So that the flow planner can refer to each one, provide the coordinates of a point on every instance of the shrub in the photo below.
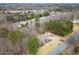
(38, 15)
(58, 9)
(10, 18)
(60, 27)
(37, 22)
(46, 13)
(3, 32)
(33, 45)
(14, 36)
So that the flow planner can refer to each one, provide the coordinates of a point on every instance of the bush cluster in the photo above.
(60, 27)
(33, 45)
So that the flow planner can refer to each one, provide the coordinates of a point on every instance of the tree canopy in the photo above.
(60, 27)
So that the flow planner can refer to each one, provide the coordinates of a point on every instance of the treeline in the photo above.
(26, 16)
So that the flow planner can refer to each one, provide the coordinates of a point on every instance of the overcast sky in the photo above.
(39, 1)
